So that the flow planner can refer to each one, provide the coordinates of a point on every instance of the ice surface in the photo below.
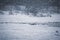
(26, 31)
(29, 19)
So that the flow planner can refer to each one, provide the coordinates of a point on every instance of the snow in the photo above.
(28, 32)
(29, 19)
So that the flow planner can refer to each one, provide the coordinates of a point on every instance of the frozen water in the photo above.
(29, 19)
(28, 32)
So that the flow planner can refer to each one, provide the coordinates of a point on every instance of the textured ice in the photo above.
(28, 32)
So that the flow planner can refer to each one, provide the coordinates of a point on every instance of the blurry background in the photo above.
(30, 7)
(29, 20)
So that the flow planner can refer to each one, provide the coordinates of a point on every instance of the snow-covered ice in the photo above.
(26, 31)
(26, 18)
